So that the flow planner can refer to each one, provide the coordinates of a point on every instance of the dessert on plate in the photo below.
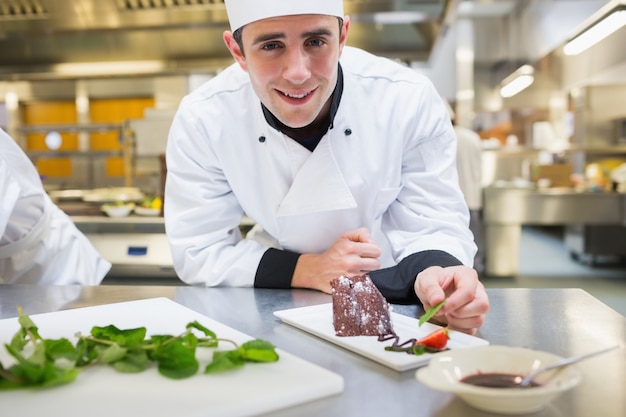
(359, 309)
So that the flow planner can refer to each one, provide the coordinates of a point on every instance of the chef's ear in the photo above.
(343, 36)
(235, 49)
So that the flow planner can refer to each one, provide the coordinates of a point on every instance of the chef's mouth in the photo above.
(296, 96)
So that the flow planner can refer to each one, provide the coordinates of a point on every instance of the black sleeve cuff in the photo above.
(396, 283)
(276, 269)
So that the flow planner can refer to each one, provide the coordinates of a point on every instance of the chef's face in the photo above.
(292, 63)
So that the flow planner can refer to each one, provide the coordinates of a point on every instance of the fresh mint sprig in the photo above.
(431, 312)
(49, 362)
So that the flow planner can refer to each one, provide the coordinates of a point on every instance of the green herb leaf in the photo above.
(431, 312)
(224, 361)
(19, 340)
(176, 360)
(112, 353)
(258, 351)
(195, 325)
(60, 349)
(128, 337)
(50, 362)
(27, 324)
(38, 357)
(85, 351)
(414, 349)
(8, 380)
(56, 375)
(133, 362)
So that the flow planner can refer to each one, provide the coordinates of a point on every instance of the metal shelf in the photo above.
(72, 128)
(127, 152)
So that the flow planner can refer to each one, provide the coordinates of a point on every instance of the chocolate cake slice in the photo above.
(359, 309)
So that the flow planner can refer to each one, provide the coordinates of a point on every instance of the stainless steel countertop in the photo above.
(562, 321)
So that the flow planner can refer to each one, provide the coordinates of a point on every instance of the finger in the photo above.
(369, 265)
(357, 265)
(466, 324)
(359, 235)
(368, 250)
(473, 314)
(472, 309)
(428, 287)
(461, 289)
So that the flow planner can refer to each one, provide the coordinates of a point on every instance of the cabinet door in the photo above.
(115, 111)
(51, 112)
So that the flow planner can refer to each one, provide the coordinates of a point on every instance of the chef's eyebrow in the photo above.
(280, 35)
(268, 37)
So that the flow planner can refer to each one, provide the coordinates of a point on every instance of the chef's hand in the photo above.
(466, 300)
(353, 253)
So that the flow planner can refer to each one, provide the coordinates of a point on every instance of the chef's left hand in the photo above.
(466, 304)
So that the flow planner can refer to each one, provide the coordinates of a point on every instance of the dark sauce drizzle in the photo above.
(411, 349)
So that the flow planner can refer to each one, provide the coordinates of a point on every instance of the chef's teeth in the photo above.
(297, 95)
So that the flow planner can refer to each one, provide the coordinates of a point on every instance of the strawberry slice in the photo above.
(435, 340)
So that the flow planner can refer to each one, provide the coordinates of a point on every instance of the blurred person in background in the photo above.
(39, 243)
(469, 167)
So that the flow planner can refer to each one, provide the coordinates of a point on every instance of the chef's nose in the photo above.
(297, 67)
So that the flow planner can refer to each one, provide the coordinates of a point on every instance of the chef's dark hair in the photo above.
(237, 34)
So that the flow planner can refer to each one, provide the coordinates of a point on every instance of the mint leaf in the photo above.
(112, 353)
(133, 362)
(57, 361)
(86, 352)
(20, 339)
(258, 351)
(28, 325)
(431, 312)
(195, 325)
(56, 375)
(60, 349)
(128, 337)
(224, 361)
(176, 360)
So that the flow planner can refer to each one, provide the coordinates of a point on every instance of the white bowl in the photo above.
(446, 369)
(147, 211)
(113, 194)
(114, 210)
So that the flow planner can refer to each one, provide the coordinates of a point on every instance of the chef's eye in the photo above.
(270, 46)
(316, 42)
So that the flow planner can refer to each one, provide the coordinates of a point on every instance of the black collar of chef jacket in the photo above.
(311, 143)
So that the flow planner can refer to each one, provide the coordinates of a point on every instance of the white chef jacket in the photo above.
(39, 244)
(388, 163)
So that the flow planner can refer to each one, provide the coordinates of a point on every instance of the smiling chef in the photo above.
(344, 160)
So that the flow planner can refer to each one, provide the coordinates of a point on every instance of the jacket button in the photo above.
(347, 132)
(261, 139)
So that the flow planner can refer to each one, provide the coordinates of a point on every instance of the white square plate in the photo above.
(100, 391)
(318, 320)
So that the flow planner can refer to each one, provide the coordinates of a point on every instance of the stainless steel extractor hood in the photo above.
(38, 38)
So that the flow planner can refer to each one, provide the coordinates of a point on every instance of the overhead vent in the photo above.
(134, 5)
(17, 10)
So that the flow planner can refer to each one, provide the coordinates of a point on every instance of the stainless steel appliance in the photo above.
(136, 246)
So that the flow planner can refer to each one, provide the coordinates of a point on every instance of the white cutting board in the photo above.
(101, 391)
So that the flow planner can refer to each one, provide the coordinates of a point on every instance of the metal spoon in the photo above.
(525, 382)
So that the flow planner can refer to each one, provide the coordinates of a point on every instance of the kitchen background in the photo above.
(105, 77)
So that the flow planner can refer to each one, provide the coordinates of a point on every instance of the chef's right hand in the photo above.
(353, 253)
(466, 304)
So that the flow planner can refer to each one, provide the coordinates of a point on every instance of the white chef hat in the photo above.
(242, 12)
